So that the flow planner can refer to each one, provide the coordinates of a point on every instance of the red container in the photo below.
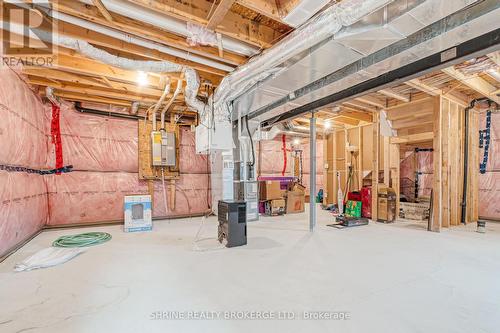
(366, 202)
(354, 196)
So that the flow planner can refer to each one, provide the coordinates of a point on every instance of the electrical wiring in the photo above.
(82, 240)
(197, 239)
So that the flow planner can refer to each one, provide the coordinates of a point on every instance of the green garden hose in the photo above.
(81, 240)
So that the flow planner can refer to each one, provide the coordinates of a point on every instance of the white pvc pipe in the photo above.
(168, 23)
(160, 101)
(167, 106)
(137, 41)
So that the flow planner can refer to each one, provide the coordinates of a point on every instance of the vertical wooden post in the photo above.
(375, 166)
(395, 172)
(387, 161)
(437, 143)
(473, 175)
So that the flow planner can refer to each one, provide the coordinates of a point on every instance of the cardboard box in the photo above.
(386, 205)
(270, 190)
(138, 213)
(275, 207)
(295, 198)
(414, 211)
(295, 202)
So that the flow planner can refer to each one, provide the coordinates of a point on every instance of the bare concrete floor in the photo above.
(389, 278)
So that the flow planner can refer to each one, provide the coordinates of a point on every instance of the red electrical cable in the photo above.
(283, 139)
(55, 132)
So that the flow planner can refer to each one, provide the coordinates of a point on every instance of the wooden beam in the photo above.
(360, 116)
(393, 94)
(219, 13)
(419, 85)
(101, 92)
(264, 7)
(476, 83)
(83, 81)
(437, 213)
(372, 101)
(434, 91)
(77, 97)
(104, 11)
(407, 123)
(360, 105)
(413, 138)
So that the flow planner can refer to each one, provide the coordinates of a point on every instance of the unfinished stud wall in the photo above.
(448, 143)
(104, 154)
(23, 196)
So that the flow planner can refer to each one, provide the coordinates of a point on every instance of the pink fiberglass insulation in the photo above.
(425, 162)
(192, 196)
(96, 143)
(23, 126)
(23, 210)
(85, 197)
(494, 151)
(489, 183)
(190, 162)
(421, 162)
(489, 195)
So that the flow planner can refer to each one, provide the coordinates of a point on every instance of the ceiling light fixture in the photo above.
(142, 78)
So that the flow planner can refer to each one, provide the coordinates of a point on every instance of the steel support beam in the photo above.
(485, 43)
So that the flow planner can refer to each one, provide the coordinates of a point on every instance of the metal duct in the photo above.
(393, 37)
(141, 14)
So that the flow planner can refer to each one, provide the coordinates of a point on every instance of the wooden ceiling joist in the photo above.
(476, 83)
(104, 11)
(234, 26)
(219, 13)
(367, 99)
(89, 90)
(419, 85)
(394, 94)
(145, 30)
(263, 7)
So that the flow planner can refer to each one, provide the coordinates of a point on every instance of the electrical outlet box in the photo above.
(163, 148)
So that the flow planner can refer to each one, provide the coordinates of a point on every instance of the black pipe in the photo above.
(79, 108)
(466, 156)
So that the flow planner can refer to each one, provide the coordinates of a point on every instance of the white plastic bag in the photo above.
(48, 257)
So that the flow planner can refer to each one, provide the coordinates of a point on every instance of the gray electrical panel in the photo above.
(163, 148)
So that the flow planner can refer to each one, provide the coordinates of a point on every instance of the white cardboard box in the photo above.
(138, 213)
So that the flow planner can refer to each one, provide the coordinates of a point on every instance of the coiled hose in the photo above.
(81, 240)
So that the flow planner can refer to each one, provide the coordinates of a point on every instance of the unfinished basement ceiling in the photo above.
(213, 37)
(392, 36)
